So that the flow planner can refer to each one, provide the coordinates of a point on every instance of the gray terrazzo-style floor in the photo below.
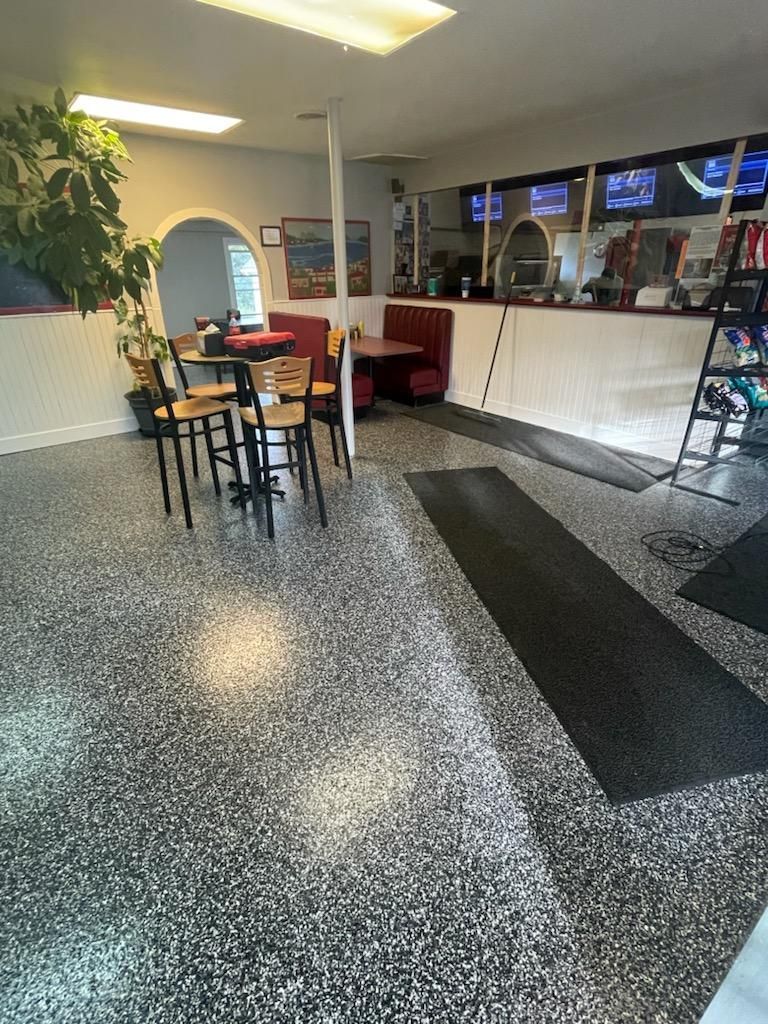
(309, 781)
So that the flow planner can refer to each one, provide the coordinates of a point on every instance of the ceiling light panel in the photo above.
(378, 26)
(127, 112)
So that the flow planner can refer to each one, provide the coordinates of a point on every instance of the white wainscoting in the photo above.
(60, 380)
(623, 379)
(368, 308)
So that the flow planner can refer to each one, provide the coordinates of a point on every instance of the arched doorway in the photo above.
(527, 252)
(210, 267)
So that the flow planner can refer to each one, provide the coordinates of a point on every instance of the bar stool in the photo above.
(168, 419)
(221, 391)
(329, 392)
(289, 378)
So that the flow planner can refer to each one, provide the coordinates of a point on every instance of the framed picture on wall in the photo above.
(309, 258)
(271, 237)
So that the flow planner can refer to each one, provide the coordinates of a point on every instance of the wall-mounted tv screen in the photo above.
(753, 175)
(478, 207)
(548, 200)
(631, 188)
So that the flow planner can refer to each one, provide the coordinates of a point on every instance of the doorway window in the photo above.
(243, 274)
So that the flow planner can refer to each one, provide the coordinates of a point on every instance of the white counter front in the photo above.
(626, 379)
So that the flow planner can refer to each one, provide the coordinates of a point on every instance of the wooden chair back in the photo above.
(285, 375)
(335, 342)
(184, 342)
(149, 377)
(145, 372)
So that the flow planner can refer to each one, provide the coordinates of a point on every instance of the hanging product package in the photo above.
(723, 397)
(744, 348)
(754, 389)
(760, 335)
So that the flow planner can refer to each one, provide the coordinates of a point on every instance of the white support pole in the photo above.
(340, 260)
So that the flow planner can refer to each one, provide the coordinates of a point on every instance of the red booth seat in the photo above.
(426, 373)
(310, 334)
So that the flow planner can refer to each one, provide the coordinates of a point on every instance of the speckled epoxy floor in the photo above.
(310, 782)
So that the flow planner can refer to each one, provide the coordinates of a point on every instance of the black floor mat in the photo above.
(736, 582)
(631, 470)
(648, 709)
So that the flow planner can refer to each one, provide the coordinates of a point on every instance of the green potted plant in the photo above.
(59, 216)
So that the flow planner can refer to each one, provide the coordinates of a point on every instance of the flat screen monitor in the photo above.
(548, 200)
(478, 207)
(630, 189)
(753, 175)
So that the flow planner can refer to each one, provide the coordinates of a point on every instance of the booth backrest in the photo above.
(426, 326)
(310, 332)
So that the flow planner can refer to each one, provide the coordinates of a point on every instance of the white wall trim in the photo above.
(63, 435)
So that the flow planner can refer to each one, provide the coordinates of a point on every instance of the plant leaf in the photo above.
(26, 221)
(81, 195)
(57, 181)
(60, 102)
(104, 192)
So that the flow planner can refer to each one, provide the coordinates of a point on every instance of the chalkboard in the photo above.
(22, 289)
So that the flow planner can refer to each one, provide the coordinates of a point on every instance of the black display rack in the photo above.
(722, 447)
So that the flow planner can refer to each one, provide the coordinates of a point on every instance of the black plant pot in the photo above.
(143, 411)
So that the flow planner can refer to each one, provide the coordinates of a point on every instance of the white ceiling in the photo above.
(498, 66)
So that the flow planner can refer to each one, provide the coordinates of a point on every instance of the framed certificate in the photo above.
(271, 236)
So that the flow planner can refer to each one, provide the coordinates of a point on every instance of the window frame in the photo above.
(228, 240)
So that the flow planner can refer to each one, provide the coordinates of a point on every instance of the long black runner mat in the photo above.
(648, 709)
(631, 470)
(736, 582)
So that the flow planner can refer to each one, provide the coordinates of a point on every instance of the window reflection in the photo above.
(656, 235)
(534, 247)
(456, 219)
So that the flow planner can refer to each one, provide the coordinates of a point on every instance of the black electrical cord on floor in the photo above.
(684, 550)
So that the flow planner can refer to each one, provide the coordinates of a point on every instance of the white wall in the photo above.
(685, 118)
(254, 187)
(194, 278)
(61, 379)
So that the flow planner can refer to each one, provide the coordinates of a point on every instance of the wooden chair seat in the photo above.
(276, 417)
(192, 409)
(321, 388)
(218, 391)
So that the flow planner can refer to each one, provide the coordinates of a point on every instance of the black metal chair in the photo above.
(289, 378)
(221, 391)
(168, 420)
(329, 392)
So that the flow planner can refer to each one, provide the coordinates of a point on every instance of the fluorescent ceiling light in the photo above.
(148, 113)
(378, 26)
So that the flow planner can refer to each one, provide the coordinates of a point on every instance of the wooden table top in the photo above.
(193, 356)
(376, 348)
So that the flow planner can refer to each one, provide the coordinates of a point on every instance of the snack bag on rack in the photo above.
(744, 348)
(754, 389)
(722, 396)
(760, 334)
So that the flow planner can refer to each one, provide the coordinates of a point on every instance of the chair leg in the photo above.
(301, 450)
(230, 432)
(211, 453)
(344, 445)
(182, 479)
(253, 467)
(193, 446)
(315, 472)
(330, 412)
(163, 473)
(289, 452)
(267, 487)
